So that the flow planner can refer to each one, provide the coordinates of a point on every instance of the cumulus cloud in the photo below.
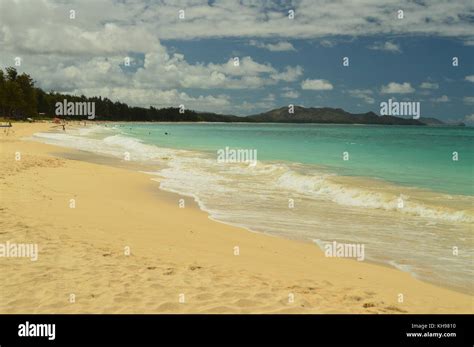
(468, 100)
(429, 85)
(290, 74)
(442, 98)
(313, 19)
(263, 19)
(364, 94)
(397, 88)
(327, 43)
(84, 54)
(291, 94)
(469, 118)
(386, 46)
(256, 19)
(274, 47)
(161, 98)
(309, 84)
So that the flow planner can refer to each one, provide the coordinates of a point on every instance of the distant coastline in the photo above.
(21, 100)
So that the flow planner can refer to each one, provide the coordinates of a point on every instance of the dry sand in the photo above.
(176, 253)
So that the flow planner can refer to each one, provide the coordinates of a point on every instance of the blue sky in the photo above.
(419, 60)
(190, 60)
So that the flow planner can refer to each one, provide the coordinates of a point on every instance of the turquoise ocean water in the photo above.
(418, 156)
(400, 193)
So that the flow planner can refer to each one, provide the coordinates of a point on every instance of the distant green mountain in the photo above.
(328, 115)
(435, 122)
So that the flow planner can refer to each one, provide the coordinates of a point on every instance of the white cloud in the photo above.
(160, 98)
(270, 97)
(155, 83)
(85, 54)
(469, 100)
(327, 43)
(386, 46)
(364, 94)
(397, 88)
(470, 78)
(274, 47)
(469, 118)
(291, 94)
(313, 19)
(290, 74)
(309, 84)
(429, 85)
(252, 19)
(442, 98)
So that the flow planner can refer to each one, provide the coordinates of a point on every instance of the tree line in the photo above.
(20, 99)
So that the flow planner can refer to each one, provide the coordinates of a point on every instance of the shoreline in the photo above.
(319, 284)
(138, 166)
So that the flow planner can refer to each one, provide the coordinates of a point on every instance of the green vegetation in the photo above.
(20, 99)
(18, 95)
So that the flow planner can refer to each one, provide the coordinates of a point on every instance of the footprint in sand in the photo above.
(368, 305)
(194, 267)
(169, 271)
(395, 309)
